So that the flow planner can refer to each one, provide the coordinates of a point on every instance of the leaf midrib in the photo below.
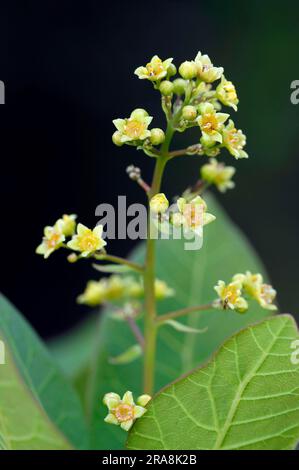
(241, 389)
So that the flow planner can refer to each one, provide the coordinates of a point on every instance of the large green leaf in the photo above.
(192, 274)
(245, 398)
(38, 408)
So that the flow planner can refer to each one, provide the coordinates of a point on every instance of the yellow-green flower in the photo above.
(218, 174)
(230, 296)
(234, 140)
(94, 294)
(254, 285)
(133, 128)
(162, 290)
(68, 224)
(206, 70)
(159, 203)
(123, 411)
(52, 240)
(211, 122)
(87, 241)
(155, 70)
(226, 93)
(192, 214)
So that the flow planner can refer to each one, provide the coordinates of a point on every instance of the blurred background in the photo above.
(68, 71)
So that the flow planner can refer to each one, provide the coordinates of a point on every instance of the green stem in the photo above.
(150, 327)
(119, 260)
(182, 312)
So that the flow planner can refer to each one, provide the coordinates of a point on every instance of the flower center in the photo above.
(267, 293)
(88, 242)
(193, 214)
(154, 69)
(53, 240)
(134, 129)
(230, 294)
(124, 412)
(209, 123)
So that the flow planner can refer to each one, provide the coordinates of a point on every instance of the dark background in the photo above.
(68, 70)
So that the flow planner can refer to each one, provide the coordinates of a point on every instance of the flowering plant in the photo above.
(224, 403)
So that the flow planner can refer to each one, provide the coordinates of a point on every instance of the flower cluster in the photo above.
(188, 101)
(123, 411)
(118, 289)
(85, 240)
(231, 294)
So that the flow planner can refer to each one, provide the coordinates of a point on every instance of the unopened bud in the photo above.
(157, 136)
(188, 70)
(166, 88)
(189, 113)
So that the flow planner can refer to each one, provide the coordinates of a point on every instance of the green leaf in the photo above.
(245, 398)
(38, 407)
(192, 274)
(184, 328)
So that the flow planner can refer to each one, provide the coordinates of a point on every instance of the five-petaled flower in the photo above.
(234, 140)
(123, 412)
(206, 70)
(155, 70)
(211, 123)
(226, 93)
(218, 174)
(68, 224)
(87, 241)
(230, 296)
(192, 214)
(52, 240)
(133, 128)
(254, 286)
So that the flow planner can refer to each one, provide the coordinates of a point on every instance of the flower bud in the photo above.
(72, 258)
(171, 71)
(157, 136)
(116, 138)
(159, 203)
(166, 88)
(188, 70)
(179, 86)
(189, 113)
(139, 113)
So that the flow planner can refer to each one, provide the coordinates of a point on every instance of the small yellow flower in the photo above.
(52, 240)
(155, 70)
(226, 93)
(234, 140)
(211, 122)
(133, 128)
(255, 287)
(159, 203)
(192, 214)
(68, 224)
(218, 174)
(162, 290)
(230, 296)
(87, 241)
(206, 70)
(94, 294)
(123, 412)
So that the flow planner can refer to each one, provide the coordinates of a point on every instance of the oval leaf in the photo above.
(246, 398)
(38, 408)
